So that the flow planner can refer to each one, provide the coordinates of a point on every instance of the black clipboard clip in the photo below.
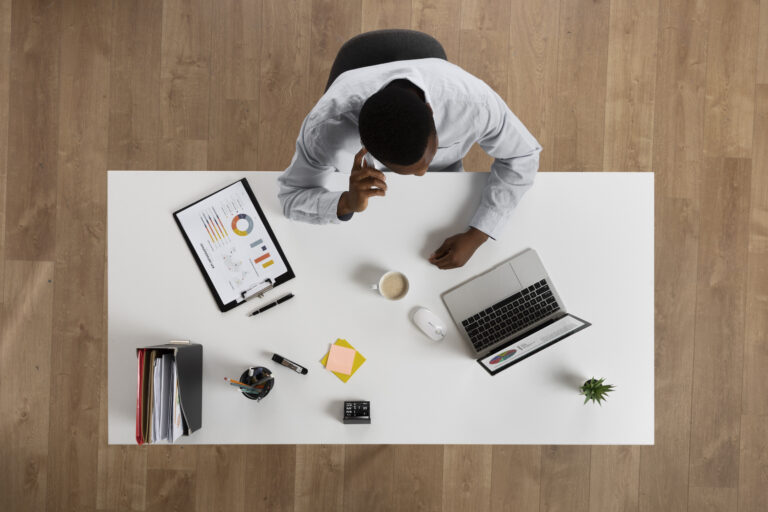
(257, 290)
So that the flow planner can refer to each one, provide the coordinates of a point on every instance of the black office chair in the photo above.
(380, 46)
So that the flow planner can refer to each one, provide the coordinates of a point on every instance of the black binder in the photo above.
(188, 358)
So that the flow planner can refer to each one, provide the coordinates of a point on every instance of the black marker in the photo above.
(290, 364)
(272, 304)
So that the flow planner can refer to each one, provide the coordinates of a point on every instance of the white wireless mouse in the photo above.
(429, 323)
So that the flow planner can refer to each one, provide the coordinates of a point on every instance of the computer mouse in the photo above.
(429, 323)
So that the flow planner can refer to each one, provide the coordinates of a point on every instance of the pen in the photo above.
(247, 389)
(290, 364)
(250, 387)
(271, 304)
(234, 382)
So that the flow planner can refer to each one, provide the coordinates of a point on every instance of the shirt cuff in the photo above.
(329, 204)
(489, 220)
(343, 218)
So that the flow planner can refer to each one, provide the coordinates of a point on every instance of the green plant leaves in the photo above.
(594, 389)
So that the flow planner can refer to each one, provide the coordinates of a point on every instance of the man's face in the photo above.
(418, 168)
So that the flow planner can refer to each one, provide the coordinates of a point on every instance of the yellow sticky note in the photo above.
(359, 360)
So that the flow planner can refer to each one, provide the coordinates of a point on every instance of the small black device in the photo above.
(357, 412)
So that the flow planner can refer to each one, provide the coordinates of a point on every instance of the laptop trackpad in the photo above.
(482, 292)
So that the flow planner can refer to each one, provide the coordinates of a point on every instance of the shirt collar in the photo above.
(412, 77)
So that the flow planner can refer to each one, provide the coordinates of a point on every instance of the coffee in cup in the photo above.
(392, 285)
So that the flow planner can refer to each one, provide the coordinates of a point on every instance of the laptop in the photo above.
(514, 303)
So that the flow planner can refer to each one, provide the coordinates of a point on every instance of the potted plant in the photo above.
(594, 389)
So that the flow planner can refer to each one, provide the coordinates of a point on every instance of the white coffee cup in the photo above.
(392, 285)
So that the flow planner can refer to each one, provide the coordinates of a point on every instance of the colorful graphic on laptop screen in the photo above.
(503, 356)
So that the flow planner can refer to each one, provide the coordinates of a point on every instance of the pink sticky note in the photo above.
(340, 359)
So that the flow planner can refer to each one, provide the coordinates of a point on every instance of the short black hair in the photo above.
(395, 125)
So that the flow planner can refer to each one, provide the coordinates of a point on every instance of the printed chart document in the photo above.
(531, 343)
(233, 244)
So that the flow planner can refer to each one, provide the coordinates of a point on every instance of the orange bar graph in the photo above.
(261, 258)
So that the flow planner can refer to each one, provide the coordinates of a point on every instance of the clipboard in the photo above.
(233, 245)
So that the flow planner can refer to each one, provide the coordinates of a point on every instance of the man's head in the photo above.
(397, 128)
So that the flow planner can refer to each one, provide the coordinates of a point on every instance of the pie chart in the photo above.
(503, 356)
(245, 217)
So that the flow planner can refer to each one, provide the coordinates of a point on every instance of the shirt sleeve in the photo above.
(516, 161)
(302, 193)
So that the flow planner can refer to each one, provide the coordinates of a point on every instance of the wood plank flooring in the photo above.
(678, 87)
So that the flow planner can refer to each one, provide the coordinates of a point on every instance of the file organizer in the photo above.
(188, 360)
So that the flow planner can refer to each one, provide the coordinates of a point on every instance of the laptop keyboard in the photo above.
(512, 314)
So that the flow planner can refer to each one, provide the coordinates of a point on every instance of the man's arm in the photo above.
(516, 154)
(513, 171)
(302, 193)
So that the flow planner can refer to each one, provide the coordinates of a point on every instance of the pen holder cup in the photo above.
(253, 375)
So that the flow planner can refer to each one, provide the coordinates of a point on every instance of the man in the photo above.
(411, 117)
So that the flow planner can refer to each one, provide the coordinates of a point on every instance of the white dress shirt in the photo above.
(465, 109)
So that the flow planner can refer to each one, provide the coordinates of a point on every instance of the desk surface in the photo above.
(593, 231)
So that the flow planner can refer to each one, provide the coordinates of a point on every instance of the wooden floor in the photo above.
(677, 87)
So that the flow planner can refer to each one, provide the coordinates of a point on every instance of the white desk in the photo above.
(594, 232)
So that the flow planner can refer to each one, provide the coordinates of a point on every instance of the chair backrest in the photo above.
(381, 46)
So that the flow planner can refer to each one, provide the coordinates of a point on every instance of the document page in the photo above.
(231, 242)
(157, 387)
(177, 428)
(166, 397)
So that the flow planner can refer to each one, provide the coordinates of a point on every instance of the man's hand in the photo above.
(364, 182)
(457, 250)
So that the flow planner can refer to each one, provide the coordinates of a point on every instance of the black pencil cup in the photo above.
(253, 375)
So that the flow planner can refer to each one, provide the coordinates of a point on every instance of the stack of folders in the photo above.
(169, 392)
